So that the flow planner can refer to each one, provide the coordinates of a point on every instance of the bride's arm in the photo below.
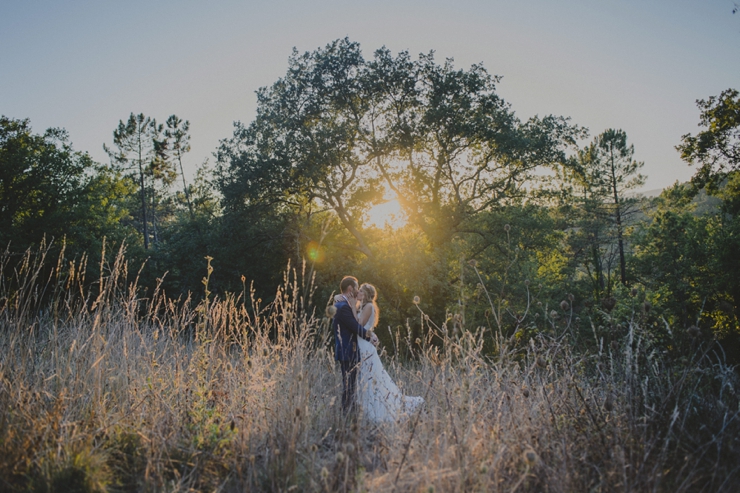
(365, 314)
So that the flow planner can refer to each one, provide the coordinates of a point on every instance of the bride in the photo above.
(380, 398)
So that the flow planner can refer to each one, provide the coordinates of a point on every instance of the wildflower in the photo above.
(564, 305)
(571, 297)
(553, 314)
(694, 331)
(473, 263)
(243, 278)
(417, 300)
(539, 303)
(418, 341)
(314, 448)
(324, 473)
(526, 282)
(340, 457)
(507, 228)
(331, 310)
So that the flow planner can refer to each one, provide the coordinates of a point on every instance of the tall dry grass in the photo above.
(104, 390)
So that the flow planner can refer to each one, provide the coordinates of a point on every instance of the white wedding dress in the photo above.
(380, 398)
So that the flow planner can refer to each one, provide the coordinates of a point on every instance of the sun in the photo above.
(387, 214)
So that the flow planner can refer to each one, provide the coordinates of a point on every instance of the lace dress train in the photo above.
(380, 398)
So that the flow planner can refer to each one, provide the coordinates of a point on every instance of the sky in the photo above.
(637, 65)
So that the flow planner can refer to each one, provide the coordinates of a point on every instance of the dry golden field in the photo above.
(103, 390)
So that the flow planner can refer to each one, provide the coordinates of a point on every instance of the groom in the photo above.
(346, 331)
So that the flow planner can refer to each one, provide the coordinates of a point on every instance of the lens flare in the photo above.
(315, 252)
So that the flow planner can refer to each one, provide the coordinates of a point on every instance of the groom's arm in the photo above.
(346, 320)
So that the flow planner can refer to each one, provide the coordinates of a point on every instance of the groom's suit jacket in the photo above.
(346, 331)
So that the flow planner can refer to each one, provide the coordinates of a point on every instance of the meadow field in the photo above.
(103, 389)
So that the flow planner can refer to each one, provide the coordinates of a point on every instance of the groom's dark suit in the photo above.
(346, 331)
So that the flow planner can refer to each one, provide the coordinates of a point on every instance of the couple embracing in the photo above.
(364, 380)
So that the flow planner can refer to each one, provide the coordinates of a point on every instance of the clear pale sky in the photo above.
(638, 65)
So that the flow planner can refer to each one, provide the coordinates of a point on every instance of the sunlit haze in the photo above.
(634, 65)
(388, 213)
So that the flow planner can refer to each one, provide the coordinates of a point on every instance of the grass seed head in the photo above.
(530, 456)
(609, 303)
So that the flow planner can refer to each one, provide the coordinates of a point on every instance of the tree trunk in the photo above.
(618, 220)
(185, 187)
(143, 202)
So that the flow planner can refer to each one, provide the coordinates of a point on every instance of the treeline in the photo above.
(521, 227)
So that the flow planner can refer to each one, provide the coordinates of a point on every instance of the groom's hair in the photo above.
(347, 281)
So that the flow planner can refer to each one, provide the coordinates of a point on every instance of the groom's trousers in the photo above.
(350, 369)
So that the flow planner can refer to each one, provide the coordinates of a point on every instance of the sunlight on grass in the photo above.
(104, 390)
